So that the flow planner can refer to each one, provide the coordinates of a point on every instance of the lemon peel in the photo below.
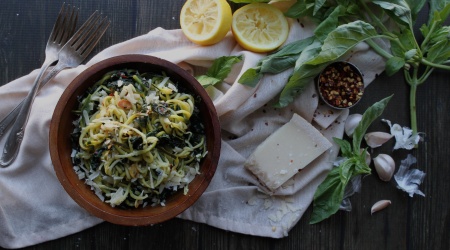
(259, 27)
(205, 22)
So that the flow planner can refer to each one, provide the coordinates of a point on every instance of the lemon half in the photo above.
(259, 27)
(205, 22)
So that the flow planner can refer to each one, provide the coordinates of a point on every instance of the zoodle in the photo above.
(138, 138)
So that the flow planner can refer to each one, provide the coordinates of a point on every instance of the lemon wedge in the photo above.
(205, 22)
(259, 27)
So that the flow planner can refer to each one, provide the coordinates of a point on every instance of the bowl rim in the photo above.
(103, 210)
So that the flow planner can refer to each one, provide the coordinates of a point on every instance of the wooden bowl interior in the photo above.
(61, 147)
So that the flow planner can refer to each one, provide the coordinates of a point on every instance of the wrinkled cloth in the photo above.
(34, 207)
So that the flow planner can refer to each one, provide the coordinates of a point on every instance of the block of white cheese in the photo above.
(289, 149)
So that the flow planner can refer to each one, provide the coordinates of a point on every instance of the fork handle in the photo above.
(15, 137)
(8, 120)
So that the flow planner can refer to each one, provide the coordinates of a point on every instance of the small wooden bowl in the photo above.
(61, 147)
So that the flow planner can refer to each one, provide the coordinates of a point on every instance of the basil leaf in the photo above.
(398, 10)
(303, 74)
(219, 70)
(441, 7)
(328, 197)
(330, 23)
(318, 4)
(222, 66)
(250, 77)
(279, 61)
(346, 169)
(440, 52)
(342, 39)
(346, 148)
(361, 166)
(285, 57)
(207, 81)
(407, 42)
(368, 117)
(300, 9)
(393, 65)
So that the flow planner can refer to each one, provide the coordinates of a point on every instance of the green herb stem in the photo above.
(378, 49)
(412, 107)
(435, 65)
(428, 37)
(425, 75)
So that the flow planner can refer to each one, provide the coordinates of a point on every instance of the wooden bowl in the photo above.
(61, 147)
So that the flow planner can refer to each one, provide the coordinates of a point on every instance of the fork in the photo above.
(63, 29)
(71, 55)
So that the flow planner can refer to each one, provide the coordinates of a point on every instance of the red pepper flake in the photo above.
(341, 85)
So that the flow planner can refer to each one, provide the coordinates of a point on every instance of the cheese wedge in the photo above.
(291, 148)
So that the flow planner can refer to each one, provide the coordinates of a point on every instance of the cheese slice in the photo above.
(291, 148)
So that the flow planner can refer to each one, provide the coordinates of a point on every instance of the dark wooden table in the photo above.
(409, 223)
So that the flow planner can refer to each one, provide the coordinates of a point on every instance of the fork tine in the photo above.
(65, 24)
(87, 32)
(94, 38)
(69, 25)
(57, 26)
(81, 32)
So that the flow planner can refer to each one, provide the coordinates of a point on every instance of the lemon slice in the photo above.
(205, 22)
(259, 27)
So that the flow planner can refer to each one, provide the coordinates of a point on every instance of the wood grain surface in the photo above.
(409, 223)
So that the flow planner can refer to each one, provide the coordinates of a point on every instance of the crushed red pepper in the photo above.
(341, 85)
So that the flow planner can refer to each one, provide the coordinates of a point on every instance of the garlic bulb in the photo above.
(351, 123)
(376, 139)
(385, 166)
(379, 205)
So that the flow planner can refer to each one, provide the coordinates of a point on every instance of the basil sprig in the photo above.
(218, 71)
(342, 24)
(330, 193)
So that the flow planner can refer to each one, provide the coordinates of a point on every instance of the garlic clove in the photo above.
(376, 139)
(385, 166)
(351, 123)
(379, 205)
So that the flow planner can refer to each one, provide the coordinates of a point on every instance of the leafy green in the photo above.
(342, 39)
(218, 71)
(330, 193)
(299, 9)
(342, 24)
(303, 74)
(275, 63)
(394, 64)
(398, 10)
(442, 7)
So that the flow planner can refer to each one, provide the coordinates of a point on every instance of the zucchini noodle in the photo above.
(137, 139)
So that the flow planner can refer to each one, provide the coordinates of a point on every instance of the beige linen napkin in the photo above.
(35, 208)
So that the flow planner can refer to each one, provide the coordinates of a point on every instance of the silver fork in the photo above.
(63, 29)
(71, 55)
